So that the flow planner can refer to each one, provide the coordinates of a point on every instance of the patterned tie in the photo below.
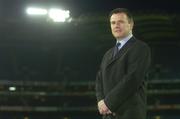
(116, 49)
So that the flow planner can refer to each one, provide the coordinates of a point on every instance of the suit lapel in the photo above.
(121, 52)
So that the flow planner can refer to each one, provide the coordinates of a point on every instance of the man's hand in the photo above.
(103, 109)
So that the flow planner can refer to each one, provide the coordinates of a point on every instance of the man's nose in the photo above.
(117, 24)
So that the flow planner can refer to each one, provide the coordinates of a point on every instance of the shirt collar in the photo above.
(124, 40)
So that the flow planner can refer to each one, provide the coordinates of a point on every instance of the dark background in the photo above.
(54, 65)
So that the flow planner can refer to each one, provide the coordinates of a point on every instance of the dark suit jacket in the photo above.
(121, 81)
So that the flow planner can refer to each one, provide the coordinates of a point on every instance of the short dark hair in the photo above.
(122, 10)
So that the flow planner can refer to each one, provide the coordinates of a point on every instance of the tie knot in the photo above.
(116, 49)
(118, 44)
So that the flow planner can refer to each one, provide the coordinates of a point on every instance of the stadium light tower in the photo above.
(36, 11)
(58, 15)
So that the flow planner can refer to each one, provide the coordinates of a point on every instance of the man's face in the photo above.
(120, 26)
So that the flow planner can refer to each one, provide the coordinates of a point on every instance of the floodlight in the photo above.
(12, 88)
(58, 15)
(36, 11)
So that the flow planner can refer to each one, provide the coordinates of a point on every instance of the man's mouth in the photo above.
(117, 30)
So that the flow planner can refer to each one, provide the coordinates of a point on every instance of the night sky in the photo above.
(15, 8)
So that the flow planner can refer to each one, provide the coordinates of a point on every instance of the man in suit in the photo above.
(121, 79)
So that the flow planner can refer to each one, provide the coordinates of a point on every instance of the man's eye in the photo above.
(112, 22)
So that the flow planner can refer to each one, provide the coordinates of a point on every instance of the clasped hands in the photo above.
(103, 109)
